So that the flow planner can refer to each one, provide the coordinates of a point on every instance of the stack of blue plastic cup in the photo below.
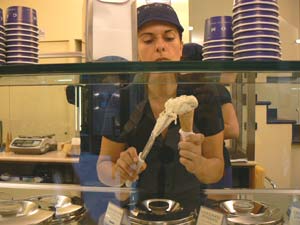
(2, 39)
(218, 42)
(256, 30)
(22, 36)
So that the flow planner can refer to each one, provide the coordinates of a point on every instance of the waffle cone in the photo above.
(187, 121)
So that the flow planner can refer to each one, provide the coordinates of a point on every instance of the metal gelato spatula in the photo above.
(161, 123)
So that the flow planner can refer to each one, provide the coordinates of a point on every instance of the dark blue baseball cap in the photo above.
(158, 12)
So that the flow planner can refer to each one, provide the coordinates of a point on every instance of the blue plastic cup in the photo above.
(21, 14)
(21, 48)
(252, 1)
(247, 40)
(218, 48)
(255, 32)
(22, 60)
(1, 17)
(257, 58)
(218, 54)
(22, 37)
(21, 54)
(2, 35)
(245, 13)
(218, 42)
(21, 32)
(218, 27)
(254, 19)
(257, 52)
(22, 26)
(22, 43)
(257, 25)
(220, 58)
(249, 6)
(256, 45)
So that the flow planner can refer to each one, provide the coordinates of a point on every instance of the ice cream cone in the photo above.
(187, 121)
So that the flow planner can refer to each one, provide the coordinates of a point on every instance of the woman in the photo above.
(174, 168)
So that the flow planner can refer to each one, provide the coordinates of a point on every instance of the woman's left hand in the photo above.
(190, 152)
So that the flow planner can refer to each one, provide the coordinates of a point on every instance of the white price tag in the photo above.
(113, 215)
(210, 217)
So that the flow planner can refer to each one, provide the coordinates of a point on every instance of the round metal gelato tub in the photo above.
(23, 213)
(161, 212)
(248, 212)
(65, 211)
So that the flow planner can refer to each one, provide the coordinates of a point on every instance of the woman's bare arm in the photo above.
(109, 154)
(231, 124)
(116, 164)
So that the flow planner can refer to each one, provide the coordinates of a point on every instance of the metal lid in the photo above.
(10, 208)
(161, 212)
(62, 206)
(248, 212)
(190, 220)
(23, 213)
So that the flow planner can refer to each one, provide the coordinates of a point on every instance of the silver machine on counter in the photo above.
(33, 144)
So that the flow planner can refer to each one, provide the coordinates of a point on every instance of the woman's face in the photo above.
(159, 42)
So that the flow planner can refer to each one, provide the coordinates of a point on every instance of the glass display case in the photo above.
(53, 117)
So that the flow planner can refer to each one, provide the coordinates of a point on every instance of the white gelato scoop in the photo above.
(173, 108)
(181, 105)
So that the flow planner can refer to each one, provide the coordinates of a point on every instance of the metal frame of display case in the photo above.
(144, 67)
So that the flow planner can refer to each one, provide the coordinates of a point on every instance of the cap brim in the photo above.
(160, 19)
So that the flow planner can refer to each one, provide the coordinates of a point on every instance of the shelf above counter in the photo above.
(49, 157)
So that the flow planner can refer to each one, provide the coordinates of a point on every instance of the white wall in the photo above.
(273, 148)
(289, 28)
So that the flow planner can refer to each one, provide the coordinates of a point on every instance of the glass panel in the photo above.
(82, 100)
(90, 104)
(28, 111)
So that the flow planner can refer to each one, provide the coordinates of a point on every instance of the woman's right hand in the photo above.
(126, 166)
